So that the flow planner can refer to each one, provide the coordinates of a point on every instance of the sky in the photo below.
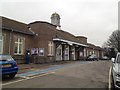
(94, 19)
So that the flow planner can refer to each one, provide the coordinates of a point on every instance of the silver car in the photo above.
(116, 71)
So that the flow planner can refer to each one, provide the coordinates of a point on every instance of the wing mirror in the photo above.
(113, 60)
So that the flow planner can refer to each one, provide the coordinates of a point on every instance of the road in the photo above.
(88, 74)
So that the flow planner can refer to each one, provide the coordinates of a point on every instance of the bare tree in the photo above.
(114, 40)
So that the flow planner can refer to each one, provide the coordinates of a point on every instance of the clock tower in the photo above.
(55, 20)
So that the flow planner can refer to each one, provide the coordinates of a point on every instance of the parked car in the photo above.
(92, 57)
(8, 66)
(105, 58)
(116, 71)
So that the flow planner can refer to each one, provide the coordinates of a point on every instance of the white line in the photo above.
(109, 81)
(12, 82)
(42, 75)
(27, 78)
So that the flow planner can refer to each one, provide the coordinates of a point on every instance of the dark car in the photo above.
(92, 57)
(8, 66)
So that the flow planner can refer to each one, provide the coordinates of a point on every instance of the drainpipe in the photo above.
(10, 40)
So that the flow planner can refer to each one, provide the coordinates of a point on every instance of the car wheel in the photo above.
(12, 75)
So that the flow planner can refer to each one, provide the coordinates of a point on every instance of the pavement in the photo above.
(31, 66)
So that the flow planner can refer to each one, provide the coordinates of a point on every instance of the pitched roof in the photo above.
(15, 26)
(42, 22)
(94, 46)
(68, 36)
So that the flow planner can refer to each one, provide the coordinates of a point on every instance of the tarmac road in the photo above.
(89, 74)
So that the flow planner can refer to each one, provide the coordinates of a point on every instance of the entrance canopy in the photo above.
(69, 42)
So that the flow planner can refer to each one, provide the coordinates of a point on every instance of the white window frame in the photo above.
(85, 52)
(50, 48)
(1, 41)
(73, 49)
(22, 43)
(90, 53)
(66, 52)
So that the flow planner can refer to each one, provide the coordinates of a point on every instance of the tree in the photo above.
(114, 40)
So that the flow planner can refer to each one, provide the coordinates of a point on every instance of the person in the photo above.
(27, 58)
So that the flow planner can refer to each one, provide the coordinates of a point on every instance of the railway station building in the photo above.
(44, 41)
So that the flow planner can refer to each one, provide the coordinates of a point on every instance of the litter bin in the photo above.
(27, 57)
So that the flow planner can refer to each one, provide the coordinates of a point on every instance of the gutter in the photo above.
(69, 42)
(15, 30)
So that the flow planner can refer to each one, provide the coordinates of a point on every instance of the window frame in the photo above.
(1, 40)
(50, 48)
(20, 41)
(118, 58)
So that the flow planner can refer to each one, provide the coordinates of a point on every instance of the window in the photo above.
(50, 48)
(118, 59)
(90, 53)
(1, 44)
(19, 45)
(84, 52)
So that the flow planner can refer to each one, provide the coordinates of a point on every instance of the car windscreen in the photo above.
(92, 56)
(118, 59)
(6, 57)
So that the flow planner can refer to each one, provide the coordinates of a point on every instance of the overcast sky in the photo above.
(95, 19)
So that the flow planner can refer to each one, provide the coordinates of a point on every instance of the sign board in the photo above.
(41, 51)
(34, 51)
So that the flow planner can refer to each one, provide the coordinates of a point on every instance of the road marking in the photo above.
(27, 78)
(42, 75)
(44, 72)
(109, 81)
(31, 73)
(12, 82)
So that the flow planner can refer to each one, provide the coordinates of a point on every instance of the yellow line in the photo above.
(27, 78)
